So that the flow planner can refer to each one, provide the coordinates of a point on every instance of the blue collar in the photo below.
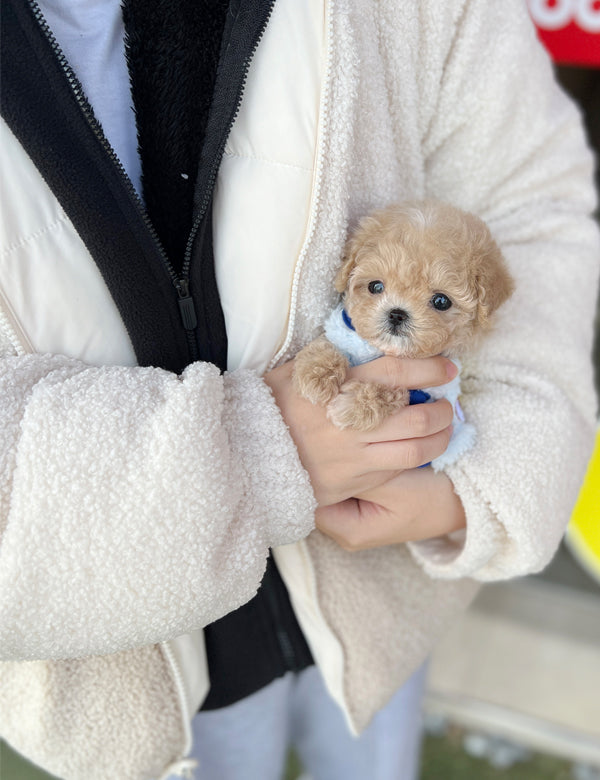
(347, 320)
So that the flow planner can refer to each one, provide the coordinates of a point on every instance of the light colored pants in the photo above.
(250, 739)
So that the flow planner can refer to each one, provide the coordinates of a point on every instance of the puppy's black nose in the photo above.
(397, 316)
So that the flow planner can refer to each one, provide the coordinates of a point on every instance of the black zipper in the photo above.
(88, 112)
(216, 160)
(268, 588)
(181, 281)
(284, 642)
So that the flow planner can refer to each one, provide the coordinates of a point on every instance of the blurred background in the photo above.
(514, 688)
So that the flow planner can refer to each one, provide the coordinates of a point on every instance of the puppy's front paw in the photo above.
(319, 371)
(365, 405)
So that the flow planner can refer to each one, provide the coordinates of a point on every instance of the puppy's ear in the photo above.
(363, 239)
(349, 259)
(494, 283)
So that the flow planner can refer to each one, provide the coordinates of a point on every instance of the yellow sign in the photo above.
(583, 533)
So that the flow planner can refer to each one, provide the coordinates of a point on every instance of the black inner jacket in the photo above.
(168, 298)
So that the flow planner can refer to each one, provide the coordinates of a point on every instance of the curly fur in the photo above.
(416, 250)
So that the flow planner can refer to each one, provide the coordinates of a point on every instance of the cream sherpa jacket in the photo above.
(137, 506)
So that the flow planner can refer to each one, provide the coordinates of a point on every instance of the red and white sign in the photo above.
(570, 29)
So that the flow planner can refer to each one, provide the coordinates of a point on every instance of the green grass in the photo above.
(293, 768)
(13, 767)
(443, 759)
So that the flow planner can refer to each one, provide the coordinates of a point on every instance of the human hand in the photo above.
(417, 504)
(346, 463)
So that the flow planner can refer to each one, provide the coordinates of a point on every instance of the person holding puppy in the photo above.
(154, 448)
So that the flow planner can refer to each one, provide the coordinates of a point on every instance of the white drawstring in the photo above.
(183, 768)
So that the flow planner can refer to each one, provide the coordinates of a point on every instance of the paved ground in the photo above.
(524, 663)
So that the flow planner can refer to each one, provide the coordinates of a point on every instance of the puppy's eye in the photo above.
(441, 302)
(376, 287)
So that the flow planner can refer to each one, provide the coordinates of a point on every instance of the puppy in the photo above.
(418, 279)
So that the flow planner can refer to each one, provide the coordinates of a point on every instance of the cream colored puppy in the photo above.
(418, 279)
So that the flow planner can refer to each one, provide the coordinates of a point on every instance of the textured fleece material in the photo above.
(183, 453)
(447, 114)
(85, 738)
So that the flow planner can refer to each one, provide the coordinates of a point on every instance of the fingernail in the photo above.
(451, 369)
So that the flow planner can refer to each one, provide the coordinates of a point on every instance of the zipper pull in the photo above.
(186, 304)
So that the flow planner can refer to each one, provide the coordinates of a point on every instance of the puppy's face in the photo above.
(422, 279)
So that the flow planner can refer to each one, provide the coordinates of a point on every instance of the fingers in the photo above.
(413, 422)
(361, 525)
(407, 453)
(406, 372)
(343, 523)
(341, 463)
(411, 506)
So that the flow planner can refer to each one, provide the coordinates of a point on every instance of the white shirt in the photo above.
(91, 36)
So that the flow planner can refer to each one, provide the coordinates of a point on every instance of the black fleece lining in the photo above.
(39, 106)
(262, 639)
(172, 49)
(252, 646)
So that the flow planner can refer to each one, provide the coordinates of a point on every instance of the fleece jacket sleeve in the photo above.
(135, 504)
(505, 142)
